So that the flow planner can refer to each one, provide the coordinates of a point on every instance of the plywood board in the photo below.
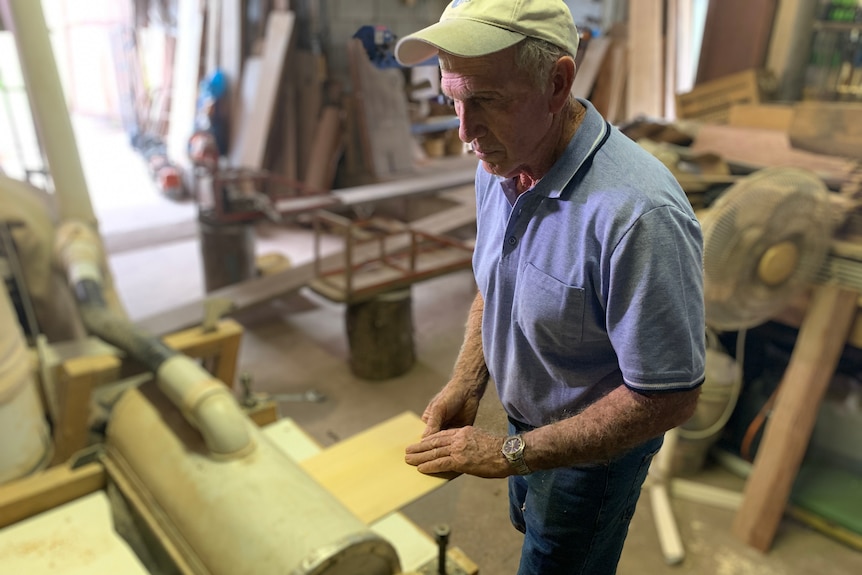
(732, 43)
(250, 149)
(367, 472)
(77, 538)
(381, 115)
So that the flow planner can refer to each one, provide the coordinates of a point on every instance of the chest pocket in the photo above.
(549, 312)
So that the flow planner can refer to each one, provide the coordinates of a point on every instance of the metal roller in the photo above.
(259, 514)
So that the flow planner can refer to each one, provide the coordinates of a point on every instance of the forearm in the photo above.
(470, 369)
(619, 421)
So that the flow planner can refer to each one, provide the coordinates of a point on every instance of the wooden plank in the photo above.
(309, 101)
(320, 171)
(213, 27)
(617, 102)
(815, 356)
(34, 494)
(367, 472)
(230, 57)
(594, 57)
(415, 548)
(766, 116)
(286, 162)
(645, 85)
(246, 102)
(732, 44)
(787, 55)
(254, 134)
(833, 128)
(684, 60)
(186, 76)
(78, 377)
(711, 101)
(672, 24)
(760, 148)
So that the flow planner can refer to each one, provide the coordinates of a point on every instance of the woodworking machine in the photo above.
(228, 500)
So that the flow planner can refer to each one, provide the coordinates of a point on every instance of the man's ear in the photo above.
(562, 78)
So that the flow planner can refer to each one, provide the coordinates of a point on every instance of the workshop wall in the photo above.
(402, 17)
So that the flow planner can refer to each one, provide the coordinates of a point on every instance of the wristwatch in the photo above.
(513, 451)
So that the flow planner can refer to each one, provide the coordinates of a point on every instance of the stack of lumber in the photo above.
(284, 115)
(633, 70)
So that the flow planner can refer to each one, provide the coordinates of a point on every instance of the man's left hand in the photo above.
(462, 450)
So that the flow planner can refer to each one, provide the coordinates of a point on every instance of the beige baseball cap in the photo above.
(470, 28)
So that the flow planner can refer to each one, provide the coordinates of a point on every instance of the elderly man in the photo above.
(589, 317)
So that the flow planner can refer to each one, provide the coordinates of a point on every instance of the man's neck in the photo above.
(570, 122)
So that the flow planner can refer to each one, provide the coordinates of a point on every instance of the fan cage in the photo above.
(773, 206)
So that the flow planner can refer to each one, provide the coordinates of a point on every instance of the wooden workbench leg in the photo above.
(818, 348)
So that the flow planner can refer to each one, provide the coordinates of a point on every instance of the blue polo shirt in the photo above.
(591, 279)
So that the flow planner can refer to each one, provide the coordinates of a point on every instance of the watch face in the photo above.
(512, 444)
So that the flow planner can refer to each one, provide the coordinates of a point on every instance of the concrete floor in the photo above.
(298, 343)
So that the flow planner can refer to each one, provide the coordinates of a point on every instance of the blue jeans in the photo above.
(575, 520)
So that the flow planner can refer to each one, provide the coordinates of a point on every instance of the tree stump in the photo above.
(380, 334)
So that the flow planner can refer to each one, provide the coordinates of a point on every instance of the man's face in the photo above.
(504, 115)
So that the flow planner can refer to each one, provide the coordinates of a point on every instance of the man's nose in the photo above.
(471, 126)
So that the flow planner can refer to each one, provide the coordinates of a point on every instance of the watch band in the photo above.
(520, 465)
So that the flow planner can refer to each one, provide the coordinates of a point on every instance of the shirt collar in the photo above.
(583, 144)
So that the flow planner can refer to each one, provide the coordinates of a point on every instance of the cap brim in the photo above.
(465, 38)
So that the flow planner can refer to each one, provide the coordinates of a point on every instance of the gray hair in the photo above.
(535, 58)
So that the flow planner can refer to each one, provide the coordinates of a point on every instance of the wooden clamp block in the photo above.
(78, 377)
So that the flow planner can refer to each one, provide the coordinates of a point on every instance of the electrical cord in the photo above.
(736, 387)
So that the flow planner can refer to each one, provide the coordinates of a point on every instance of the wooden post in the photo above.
(818, 348)
(380, 334)
(78, 376)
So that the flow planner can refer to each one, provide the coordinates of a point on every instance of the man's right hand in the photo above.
(455, 406)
